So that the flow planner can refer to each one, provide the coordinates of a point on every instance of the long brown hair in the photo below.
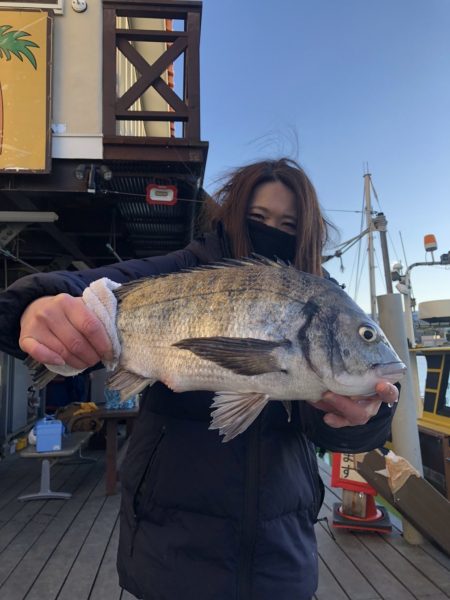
(233, 199)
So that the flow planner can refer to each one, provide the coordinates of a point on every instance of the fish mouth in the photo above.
(391, 371)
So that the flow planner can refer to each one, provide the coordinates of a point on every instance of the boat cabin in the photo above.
(434, 421)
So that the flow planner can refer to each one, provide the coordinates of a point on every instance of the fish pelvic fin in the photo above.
(243, 356)
(234, 412)
(40, 375)
(127, 383)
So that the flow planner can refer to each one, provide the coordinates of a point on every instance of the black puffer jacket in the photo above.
(203, 520)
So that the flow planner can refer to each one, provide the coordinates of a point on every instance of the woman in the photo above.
(202, 520)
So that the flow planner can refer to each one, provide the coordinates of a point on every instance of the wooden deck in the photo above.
(60, 550)
(369, 566)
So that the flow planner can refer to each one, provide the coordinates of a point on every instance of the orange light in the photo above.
(429, 241)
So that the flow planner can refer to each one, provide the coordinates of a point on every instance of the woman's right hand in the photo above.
(61, 330)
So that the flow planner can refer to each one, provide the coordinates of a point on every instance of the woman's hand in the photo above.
(344, 411)
(62, 330)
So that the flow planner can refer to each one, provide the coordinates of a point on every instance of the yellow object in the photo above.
(85, 407)
(21, 443)
(24, 90)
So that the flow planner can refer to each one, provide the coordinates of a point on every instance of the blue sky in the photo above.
(337, 84)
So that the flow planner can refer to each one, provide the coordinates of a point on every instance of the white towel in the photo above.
(100, 299)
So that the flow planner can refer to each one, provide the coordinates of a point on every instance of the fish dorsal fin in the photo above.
(225, 263)
(277, 262)
(244, 356)
(233, 412)
(128, 288)
(127, 383)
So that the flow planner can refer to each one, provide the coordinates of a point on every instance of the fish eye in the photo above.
(368, 333)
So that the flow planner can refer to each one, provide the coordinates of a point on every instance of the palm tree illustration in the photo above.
(13, 44)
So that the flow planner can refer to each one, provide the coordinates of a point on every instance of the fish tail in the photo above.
(40, 375)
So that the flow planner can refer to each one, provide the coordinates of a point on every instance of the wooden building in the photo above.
(122, 107)
(99, 112)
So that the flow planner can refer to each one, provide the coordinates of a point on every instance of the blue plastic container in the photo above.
(48, 435)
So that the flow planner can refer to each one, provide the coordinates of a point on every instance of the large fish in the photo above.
(252, 331)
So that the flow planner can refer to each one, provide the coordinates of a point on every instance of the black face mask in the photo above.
(271, 242)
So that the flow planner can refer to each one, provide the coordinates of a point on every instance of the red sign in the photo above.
(345, 475)
(161, 194)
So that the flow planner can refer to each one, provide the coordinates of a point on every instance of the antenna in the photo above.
(370, 247)
(411, 293)
(403, 248)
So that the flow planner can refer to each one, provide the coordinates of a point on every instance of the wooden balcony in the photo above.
(96, 212)
(186, 110)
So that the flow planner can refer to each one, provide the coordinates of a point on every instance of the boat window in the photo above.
(422, 373)
(443, 407)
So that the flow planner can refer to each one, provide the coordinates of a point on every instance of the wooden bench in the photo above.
(71, 443)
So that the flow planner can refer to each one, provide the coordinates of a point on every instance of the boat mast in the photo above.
(370, 247)
(380, 224)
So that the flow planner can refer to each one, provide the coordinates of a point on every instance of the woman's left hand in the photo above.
(344, 411)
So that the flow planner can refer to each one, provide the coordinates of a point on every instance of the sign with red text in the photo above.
(345, 475)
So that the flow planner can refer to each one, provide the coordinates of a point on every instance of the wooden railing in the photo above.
(185, 109)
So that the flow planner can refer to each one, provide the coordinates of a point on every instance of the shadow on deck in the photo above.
(60, 550)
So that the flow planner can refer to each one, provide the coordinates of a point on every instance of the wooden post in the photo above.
(405, 432)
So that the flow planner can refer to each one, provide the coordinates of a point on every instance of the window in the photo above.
(443, 404)
(56, 5)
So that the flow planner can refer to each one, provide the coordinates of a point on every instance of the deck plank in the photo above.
(437, 554)
(107, 582)
(19, 514)
(13, 478)
(82, 575)
(417, 583)
(21, 532)
(424, 563)
(329, 588)
(52, 577)
(28, 484)
(28, 568)
(394, 554)
(386, 585)
(348, 576)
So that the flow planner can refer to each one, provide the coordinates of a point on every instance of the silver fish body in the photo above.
(252, 331)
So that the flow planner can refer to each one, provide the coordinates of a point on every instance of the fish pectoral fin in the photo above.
(234, 412)
(244, 356)
(127, 383)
